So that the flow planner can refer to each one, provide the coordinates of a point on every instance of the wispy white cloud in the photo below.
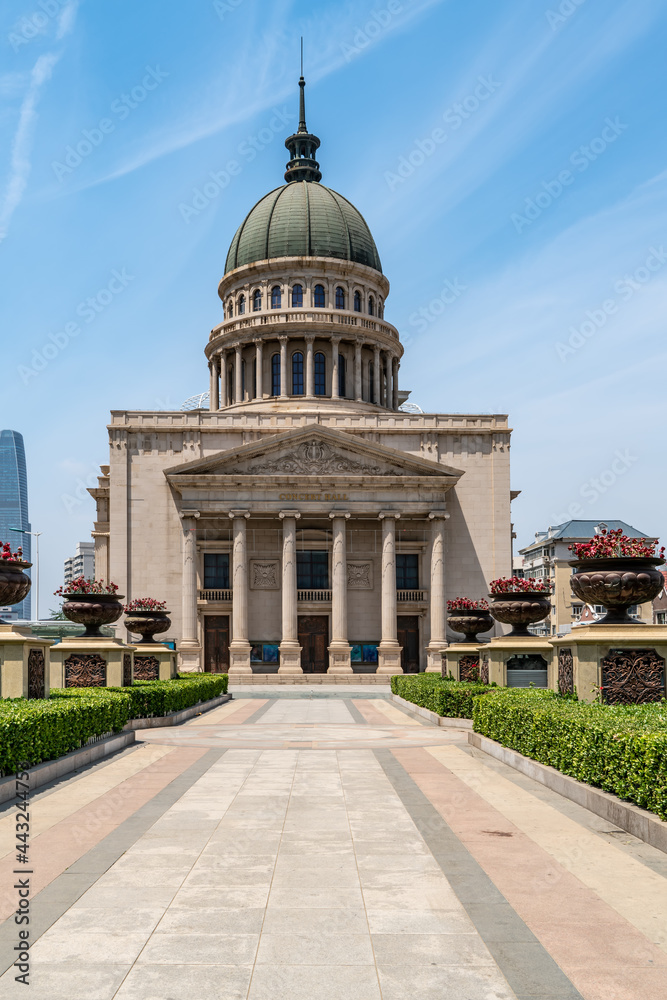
(67, 18)
(330, 34)
(20, 163)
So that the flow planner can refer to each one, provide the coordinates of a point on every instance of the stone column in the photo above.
(389, 651)
(239, 647)
(335, 341)
(310, 367)
(394, 383)
(376, 376)
(438, 640)
(223, 380)
(357, 371)
(189, 647)
(340, 649)
(283, 366)
(214, 399)
(290, 650)
(259, 359)
(238, 389)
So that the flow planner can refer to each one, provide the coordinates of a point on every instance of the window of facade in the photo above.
(407, 571)
(256, 301)
(241, 305)
(661, 618)
(230, 309)
(319, 298)
(216, 571)
(371, 382)
(320, 374)
(312, 570)
(276, 297)
(341, 376)
(230, 384)
(275, 375)
(297, 296)
(340, 298)
(371, 305)
(254, 379)
(297, 374)
(357, 302)
(242, 380)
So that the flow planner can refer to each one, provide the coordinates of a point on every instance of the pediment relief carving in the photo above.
(314, 458)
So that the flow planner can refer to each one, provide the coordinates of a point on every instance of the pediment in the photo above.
(314, 451)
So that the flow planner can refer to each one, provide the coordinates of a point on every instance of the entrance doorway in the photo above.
(216, 644)
(408, 638)
(314, 639)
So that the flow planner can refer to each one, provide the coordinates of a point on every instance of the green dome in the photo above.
(303, 219)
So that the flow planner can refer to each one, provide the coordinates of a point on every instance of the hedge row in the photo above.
(619, 748)
(444, 697)
(38, 730)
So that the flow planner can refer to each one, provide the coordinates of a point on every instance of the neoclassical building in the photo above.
(304, 522)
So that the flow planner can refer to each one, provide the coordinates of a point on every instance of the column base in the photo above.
(239, 659)
(340, 661)
(189, 658)
(434, 661)
(290, 658)
(389, 658)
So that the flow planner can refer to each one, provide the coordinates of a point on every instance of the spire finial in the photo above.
(302, 145)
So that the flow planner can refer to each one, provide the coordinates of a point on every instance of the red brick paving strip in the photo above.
(602, 954)
(371, 714)
(244, 713)
(53, 851)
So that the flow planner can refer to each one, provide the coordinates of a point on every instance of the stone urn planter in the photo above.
(147, 624)
(617, 583)
(470, 622)
(520, 610)
(14, 583)
(92, 610)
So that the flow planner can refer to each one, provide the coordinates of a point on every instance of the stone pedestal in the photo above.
(626, 661)
(24, 663)
(468, 652)
(153, 661)
(493, 657)
(105, 662)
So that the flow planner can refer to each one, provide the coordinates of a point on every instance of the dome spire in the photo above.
(302, 145)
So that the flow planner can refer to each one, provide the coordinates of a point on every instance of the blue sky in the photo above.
(510, 160)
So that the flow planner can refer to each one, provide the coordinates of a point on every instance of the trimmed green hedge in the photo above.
(452, 699)
(619, 748)
(38, 730)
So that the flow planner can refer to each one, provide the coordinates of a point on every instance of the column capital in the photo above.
(335, 339)
(309, 338)
(239, 513)
(189, 513)
(439, 514)
(388, 513)
(339, 513)
(296, 514)
(283, 338)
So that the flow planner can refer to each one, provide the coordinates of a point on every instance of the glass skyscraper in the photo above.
(14, 502)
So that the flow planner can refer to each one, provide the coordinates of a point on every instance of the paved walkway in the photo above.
(288, 847)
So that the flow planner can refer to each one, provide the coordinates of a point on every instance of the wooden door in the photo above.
(216, 644)
(314, 639)
(408, 639)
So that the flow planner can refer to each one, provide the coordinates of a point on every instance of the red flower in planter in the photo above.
(7, 555)
(83, 586)
(465, 604)
(519, 585)
(614, 544)
(145, 604)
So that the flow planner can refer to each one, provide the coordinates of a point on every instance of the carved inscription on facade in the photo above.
(264, 575)
(360, 575)
(85, 670)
